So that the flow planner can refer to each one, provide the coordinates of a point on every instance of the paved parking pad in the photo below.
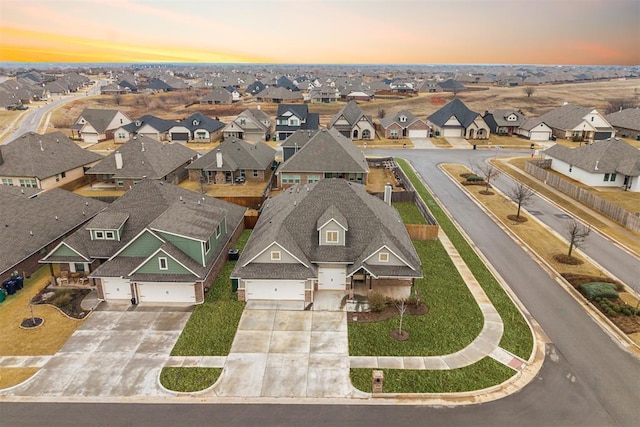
(281, 353)
(118, 351)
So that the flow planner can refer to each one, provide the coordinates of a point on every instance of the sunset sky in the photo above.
(322, 31)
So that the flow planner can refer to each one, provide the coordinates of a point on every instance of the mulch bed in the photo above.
(517, 218)
(389, 312)
(486, 193)
(627, 324)
(399, 335)
(31, 322)
(69, 305)
(564, 259)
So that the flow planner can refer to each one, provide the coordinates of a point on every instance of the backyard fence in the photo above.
(618, 214)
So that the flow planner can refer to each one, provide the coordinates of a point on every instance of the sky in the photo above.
(563, 32)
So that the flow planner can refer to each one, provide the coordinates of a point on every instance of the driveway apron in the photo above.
(281, 353)
(118, 351)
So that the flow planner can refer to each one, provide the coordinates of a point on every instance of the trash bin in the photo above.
(474, 146)
(3, 295)
(234, 254)
(19, 282)
(234, 285)
(10, 286)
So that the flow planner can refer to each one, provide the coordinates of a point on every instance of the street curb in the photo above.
(621, 339)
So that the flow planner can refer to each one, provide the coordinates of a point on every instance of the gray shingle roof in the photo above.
(153, 204)
(500, 118)
(611, 156)
(237, 154)
(299, 138)
(389, 120)
(21, 214)
(566, 117)
(626, 119)
(327, 151)
(291, 220)
(26, 156)
(161, 125)
(200, 121)
(351, 113)
(454, 108)
(144, 157)
(107, 221)
(99, 119)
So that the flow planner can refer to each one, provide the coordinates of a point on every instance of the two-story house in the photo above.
(94, 125)
(291, 117)
(158, 243)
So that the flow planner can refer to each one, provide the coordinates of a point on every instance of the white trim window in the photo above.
(383, 257)
(163, 263)
(332, 236)
(207, 246)
(276, 256)
(109, 235)
(99, 235)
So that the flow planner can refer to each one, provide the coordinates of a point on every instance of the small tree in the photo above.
(521, 194)
(488, 172)
(381, 113)
(577, 234)
(402, 308)
(117, 98)
(529, 90)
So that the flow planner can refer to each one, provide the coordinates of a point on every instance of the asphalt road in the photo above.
(586, 379)
(34, 116)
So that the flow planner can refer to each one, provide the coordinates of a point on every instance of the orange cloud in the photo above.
(33, 46)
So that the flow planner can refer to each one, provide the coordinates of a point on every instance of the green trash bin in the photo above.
(234, 285)
(3, 294)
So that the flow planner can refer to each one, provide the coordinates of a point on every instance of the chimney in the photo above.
(219, 158)
(388, 188)
(118, 157)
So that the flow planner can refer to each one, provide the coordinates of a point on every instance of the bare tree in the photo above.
(402, 308)
(529, 90)
(381, 113)
(117, 99)
(577, 234)
(617, 104)
(521, 194)
(488, 172)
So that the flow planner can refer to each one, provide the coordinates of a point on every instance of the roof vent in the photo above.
(41, 147)
(30, 233)
(142, 145)
(596, 167)
(56, 217)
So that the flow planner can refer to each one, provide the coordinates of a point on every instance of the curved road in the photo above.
(586, 379)
(32, 118)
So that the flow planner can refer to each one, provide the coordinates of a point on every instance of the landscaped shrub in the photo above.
(474, 178)
(599, 289)
(377, 302)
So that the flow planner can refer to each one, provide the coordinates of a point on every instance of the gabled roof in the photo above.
(99, 119)
(454, 108)
(606, 156)
(165, 207)
(299, 138)
(161, 125)
(327, 151)
(237, 154)
(144, 157)
(200, 121)
(291, 220)
(628, 118)
(389, 120)
(451, 85)
(31, 219)
(273, 92)
(351, 113)
(43, 156)
(299, 110)
(531, 122)
(255, 87)
(498, 118)
(566, 117)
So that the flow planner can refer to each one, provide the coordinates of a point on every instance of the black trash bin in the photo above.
(19, 282)
(10, 286)
(234, 254)
(474, 146)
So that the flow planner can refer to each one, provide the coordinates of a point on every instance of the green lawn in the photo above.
(517, 337)
(453, 321)
(409, 213)
(189, 379)
(212, 325)
(485, 373)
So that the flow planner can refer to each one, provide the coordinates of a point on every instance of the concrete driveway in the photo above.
(422, 144)
(118, 351)
(281, 353)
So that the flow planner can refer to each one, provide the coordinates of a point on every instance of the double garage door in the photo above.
(417, 133)
(452, 132)
(282, 290)
(120, 289)
(180, 136)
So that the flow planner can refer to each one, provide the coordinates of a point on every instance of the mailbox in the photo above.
(378, 380)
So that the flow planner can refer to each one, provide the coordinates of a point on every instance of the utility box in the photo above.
(378, 380)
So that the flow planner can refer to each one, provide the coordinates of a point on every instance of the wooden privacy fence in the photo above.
(618, 214)
(422, 231)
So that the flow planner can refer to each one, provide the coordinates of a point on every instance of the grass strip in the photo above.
(482, 374)
(409, 213)
(213, 324)
(189, 379)
(517, 337)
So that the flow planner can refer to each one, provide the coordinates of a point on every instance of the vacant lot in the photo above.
(176, 105)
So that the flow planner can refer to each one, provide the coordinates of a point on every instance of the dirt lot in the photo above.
(172, 105)
(378, 178)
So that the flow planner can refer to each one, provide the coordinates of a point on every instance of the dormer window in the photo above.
(332, 236)
(99, 235)
(275, 256)
(403, 119)
(109, 235)
(383, 257)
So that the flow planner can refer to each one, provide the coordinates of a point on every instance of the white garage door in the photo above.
(287, 290)
(116, 288)
(166, 292)
(152, 135)
(332, 278)
(452, 132)
(90, 138)
(540, 136)
(417, 133)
